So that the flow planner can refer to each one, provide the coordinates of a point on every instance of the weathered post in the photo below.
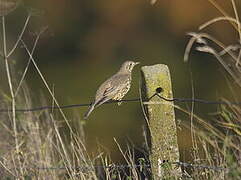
(161, 121)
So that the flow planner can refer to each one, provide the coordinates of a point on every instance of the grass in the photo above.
(219, 142)
(36, 148)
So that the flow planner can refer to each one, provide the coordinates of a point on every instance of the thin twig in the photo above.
(19, 37)
(206, 24)
(11, 89)
(220, 9)
(193, 139)
(237, 19)
(239, 31)
(7, 169)
(144, 111)
(29, 60)
(46, 85)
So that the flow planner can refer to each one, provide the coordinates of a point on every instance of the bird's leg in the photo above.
(119, 102)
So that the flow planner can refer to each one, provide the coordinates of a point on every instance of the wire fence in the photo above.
(122, 166)
(135, 166)
(181, 100)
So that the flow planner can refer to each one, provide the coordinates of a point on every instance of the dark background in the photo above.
(86, 42)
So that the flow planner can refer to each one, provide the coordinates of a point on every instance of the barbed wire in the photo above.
(181, 100)
(123, 166)
(200, 166)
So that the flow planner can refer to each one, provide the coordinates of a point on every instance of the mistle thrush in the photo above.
(114, 88)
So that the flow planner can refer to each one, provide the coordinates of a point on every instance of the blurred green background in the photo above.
(86, 42)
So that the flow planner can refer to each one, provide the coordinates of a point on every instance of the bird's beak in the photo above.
(137, 63)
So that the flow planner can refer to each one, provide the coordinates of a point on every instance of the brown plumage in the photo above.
(114, 88)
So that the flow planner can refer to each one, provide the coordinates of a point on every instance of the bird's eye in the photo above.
(131, 65)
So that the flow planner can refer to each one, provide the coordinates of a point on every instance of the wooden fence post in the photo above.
(161, 121)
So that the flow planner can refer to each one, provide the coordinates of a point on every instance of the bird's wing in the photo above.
(110, 87)
(118, 82)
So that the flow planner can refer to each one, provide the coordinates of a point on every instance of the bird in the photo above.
(114, 88)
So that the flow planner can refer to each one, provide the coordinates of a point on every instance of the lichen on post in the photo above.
(160, 121)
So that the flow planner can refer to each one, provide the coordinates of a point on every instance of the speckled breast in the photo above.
(122, 92)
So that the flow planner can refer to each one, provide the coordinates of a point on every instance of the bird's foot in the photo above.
(119, 103)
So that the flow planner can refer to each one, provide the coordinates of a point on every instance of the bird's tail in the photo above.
(91, 108)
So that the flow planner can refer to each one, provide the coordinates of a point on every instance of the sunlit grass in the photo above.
(35, 147)
(220, 139)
